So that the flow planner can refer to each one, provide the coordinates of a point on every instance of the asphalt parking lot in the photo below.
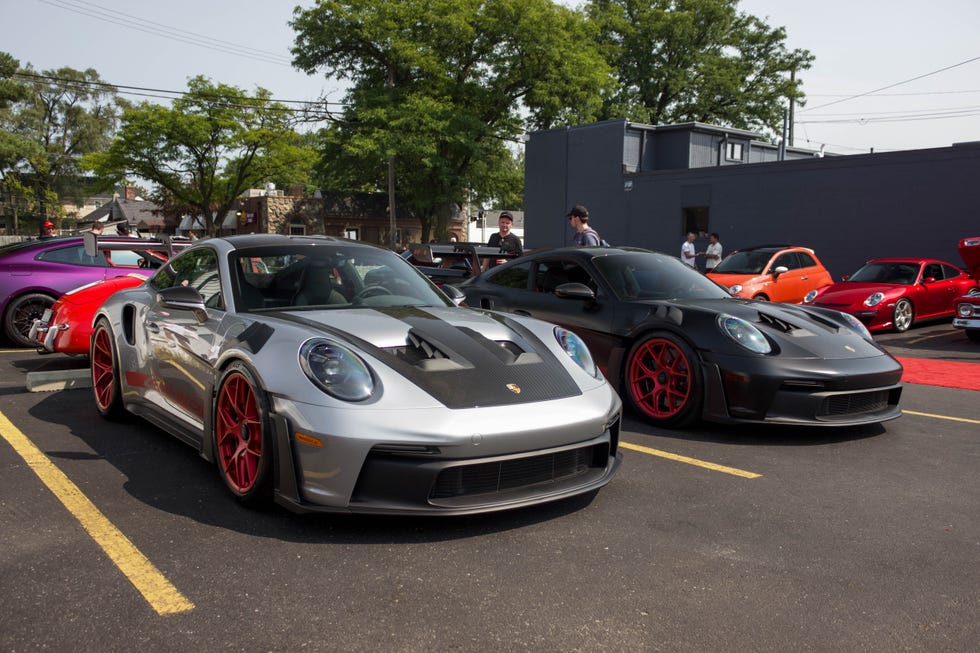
(710, 539)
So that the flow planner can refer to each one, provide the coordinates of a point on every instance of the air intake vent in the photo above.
(775, 322)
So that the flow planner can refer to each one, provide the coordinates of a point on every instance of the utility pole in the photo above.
(792, 110)
(392, 224)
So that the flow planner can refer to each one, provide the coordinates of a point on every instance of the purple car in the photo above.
(34, 273)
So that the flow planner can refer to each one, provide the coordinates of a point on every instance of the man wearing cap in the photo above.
(504, 239)
(47, 230)
(585, 235)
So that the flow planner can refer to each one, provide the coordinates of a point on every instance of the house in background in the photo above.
(648, 186)
(141, 215)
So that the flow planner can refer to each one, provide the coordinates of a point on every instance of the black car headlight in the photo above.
(809, 297)
(744, 333)
(857, 325)
(336, 370)
(576, 349)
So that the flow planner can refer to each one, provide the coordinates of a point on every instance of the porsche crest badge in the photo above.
(513, 387)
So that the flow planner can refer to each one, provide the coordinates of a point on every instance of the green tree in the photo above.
(211, 145)
(696, 60)
(49, 121)
(438, 86)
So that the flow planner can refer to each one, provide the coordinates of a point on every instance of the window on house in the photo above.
(351, 233)
(297, 229)
(694, 218)
(733, 151)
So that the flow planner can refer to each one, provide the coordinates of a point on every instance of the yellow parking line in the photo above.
(948, 417)
(690, 461)
(155, 588)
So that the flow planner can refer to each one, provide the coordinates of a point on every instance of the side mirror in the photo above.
(928, 279)
(575, 291)
(184, 298)
(778, 270)
(456, 296)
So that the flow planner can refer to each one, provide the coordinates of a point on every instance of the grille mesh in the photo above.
(500, 476)
(855, 404)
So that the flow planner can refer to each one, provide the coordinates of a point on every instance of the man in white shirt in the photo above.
(687, 250)
(712, 253)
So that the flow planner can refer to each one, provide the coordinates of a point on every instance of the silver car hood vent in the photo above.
(462, 368)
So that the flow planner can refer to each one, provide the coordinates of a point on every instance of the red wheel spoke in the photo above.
(659, 378)
(238, 433)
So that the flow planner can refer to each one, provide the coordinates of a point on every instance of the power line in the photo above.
(165, 31)
(154, 92)
(884, 88)
(845, 95)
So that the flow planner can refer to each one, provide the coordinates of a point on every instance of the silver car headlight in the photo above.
(744, 333)
(576, 349)
(857, 325)
(874, 299)
(964, 310)
(736, 289)
(336, 370)
(809, 297)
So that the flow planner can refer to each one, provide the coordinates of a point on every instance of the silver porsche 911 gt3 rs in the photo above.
(332, 376)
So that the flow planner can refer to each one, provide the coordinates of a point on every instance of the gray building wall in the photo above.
(848, 208)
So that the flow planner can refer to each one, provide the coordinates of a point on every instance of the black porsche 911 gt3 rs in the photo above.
(680, 347)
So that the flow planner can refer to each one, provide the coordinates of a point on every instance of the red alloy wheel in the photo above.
(659, 378)
(103, 370)
(238, 434)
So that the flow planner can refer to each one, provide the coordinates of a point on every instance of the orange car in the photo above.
(778, 273)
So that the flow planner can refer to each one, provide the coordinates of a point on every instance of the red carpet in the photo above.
(945, 373)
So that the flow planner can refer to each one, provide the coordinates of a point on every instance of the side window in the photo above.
(197, 269)
(74, 255)
(933, 270)
(513, 277)
(806, 261)
(551, 274)
(949, 272)
(788, 260)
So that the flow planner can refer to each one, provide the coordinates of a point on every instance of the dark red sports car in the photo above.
(893, 293)
(968, 306)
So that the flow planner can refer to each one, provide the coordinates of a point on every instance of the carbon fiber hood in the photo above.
(463, 359)
(798, 331)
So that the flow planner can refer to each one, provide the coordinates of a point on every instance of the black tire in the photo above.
(973, 334)
(662, 380)
(242, 435)
(760, 297)
(20, 316)
(904, 316)
(104, 363)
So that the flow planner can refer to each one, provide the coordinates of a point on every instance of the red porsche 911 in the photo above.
(893, 293)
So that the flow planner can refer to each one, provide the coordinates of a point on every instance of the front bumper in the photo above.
(813, 392)
(455, 464)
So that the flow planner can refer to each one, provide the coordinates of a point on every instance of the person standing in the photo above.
(688, 253)
(712, 253)
(47, 230)
(97, 228)
(504, 239)
(578, 218)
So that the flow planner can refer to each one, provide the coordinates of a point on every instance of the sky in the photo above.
(888, 75)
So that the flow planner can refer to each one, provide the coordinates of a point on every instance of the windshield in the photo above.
(328, 277)
(747, 262)
(898, 273)
(647, 275)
